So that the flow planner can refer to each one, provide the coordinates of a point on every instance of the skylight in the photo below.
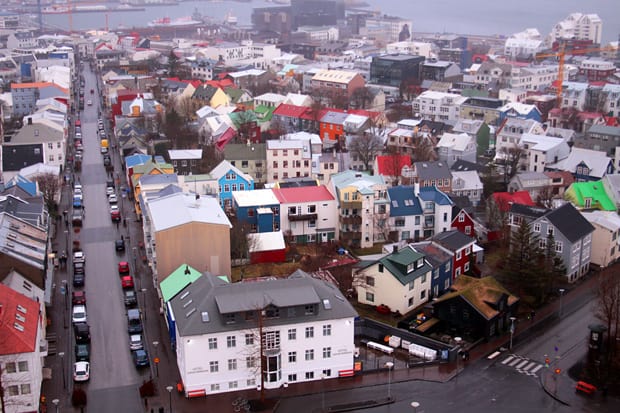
(205, 316)
(327, 304)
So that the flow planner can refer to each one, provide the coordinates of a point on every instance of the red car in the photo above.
(123, 267)
(127, 281)
(78, 298)
(115, 214)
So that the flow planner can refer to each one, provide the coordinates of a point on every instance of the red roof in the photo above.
(19, 321)
(291, 111)
(224, 139)
(303, 194)
(387, 163)
(309, 114)
(505, 199)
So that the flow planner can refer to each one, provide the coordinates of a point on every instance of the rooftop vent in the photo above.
(18, 327)
(190, 312)
(188, 303)
(21, 309)
(205, 316)
(327, 304)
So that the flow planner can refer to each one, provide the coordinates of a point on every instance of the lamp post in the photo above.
(55, 403)
(62, 369)
(169, 388)
(67, 239)
(143, 291)
(561, 295)
(65, 292)
(155, 343)
(389, 365)
(415, 406)
(458, 341)
(512, 329)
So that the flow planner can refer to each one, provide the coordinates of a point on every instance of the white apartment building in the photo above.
(522, 47)
(510, 133)
(574, 95)
(612, 99)
(287, 159)
(533, 77)
(578, 26)
(320, 33)
(305, 326)
(412, 48)
(541, 150)
(438, 106)
(257, 54)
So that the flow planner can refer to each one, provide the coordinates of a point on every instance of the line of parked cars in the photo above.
(79, 320)
(134, 317)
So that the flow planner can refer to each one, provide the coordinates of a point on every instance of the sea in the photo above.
(482, 17)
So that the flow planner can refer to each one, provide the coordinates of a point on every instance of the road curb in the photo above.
(549, 392)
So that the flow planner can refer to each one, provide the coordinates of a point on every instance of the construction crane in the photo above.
(561, 55)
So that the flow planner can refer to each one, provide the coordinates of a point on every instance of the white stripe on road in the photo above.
(507, 359)
(522, 364)
(536, 369)
(529, 366)
(515, 361)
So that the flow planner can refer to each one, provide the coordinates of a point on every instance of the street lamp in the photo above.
(458, 341)
(55, 403)
(512, 329)
(389, 365)
(155, 343)
(62, 369)
(561, 295)
(415, 406)
(143, 291)
(169, 388)
(67, 239)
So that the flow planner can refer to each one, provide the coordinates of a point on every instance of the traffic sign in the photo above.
(156, 360)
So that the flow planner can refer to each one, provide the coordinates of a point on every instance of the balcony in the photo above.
(351, 220)
(351, 205)
(351, 236)
(302, 217)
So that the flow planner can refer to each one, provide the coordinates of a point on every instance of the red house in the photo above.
(391, 166)
(503, 200)
(462, 221)
(461, 246)
(267, 247)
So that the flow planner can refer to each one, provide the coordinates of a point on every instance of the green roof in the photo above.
(397, 262)
(177, 281)
(264, 113)
(578, 192)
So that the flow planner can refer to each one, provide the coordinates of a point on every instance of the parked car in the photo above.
(140, 358)
(78, 256)
(115, 214)
(78, 279)
(82, 352)
(79, 314)
(130, 298)
(78, 298)
(123, 267)
(82, 333)
(119, 244)
(135, 342)
(77, 202)
(89, 102)
(79, 267)
(109, 190)
(134, 321)
(127, 281)
(112, 199)
(81, 371)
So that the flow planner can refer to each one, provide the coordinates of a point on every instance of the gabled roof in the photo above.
(266, 241)
(225, 167)
(334, 117)
(19, 322)
(505, 199)
(481, 293)
(463, 165)
(303, 194)
(398, 262)
(570, 222)
(432, 170)
(291, 111)
(403, 201)
(596, 161)
(453, 240)
(431, 193)
(458, 142)
(200, 307)
(392, 165)
(528, 211)
(178, 280)
(595, 191)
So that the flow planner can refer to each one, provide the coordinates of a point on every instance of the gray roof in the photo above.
(241, 151)
(209, 298)
(453, 240)
(334, 117)
(432, 170)
(570, 222)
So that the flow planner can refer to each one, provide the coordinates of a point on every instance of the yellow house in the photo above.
(148, 168)
(211, 95)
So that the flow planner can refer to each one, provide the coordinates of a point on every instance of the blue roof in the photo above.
(23, 183)
(431, 193)
(139, 159)
(403, 202)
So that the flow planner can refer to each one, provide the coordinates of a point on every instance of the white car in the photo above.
(81, 371)
(109, 190)
(135, 342)
(79, 314)
(112, 199)
(89, 102)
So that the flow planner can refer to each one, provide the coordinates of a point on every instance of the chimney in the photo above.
(394, 248)
(416, 189)
(29, 121)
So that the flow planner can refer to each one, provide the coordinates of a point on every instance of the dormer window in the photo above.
(419, 263)
(309, 309)
(410, 267)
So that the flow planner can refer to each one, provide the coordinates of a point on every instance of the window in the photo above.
(312, 223)
(309, 332)
(213, 367)
(234, 187)
(251, 382)
(22, 366)
(327, 330)
(558, 246)
(370, 297)
(213, 344)
(309, 355)
(249, 339)
(424, 278)
(537, 227)
(226, 188)
(309, 375)
(461, 217)
(311, 209)
(466, 267)
(231, 341)
(292, 378)
(410, 302)
(309, 309)
(423, 294)
(233, 385)
(292, 334)
(549, 230)
(242, 187)
(10, 367)
(215, 387)
(458, 255)
(327, 352)
(370, 281)
(232, 364)
(250, 212)
(13, 390)
(250, 362)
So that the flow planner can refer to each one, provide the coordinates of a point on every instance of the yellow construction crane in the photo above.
(561, 55)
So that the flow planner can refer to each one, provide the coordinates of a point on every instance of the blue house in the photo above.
(230, 179)
(260, 209)
(440, 260)
(519, 110)
(405, 214)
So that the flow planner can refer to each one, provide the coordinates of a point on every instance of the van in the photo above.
(134, 321)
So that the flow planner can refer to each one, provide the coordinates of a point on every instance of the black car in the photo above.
(82, 333)
(119, 244)
(131, 300)
(82, 352)
(78, 279)
(140, 358)
(106, 160)
(78, 267)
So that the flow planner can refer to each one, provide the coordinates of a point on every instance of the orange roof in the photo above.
(38, 85)
(19, 321)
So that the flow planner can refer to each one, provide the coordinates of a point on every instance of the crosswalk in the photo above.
(522, 364)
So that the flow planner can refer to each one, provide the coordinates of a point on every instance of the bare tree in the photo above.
(608, 308)
(316, 109)
(49, 185)
(187, 107)
(361, 97)
(240, 241)
(424, 150)
(545, 197)
(512, 160)
(366, 146)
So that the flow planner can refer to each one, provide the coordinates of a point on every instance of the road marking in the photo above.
(523, 363)
(515, 361)
(529, 366)
(507, 360)
(536, 369)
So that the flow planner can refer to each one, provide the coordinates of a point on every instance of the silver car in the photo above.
(135, 342)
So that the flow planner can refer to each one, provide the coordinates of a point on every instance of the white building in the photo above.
(510, 133)
(453, 147)
(611, 95)
(578, 26)
(605, 238)
(257, 54)
(438, 106)
(468, 184)
(574, 95)
(522, 47)
(287, 159)
(409, 47)
(533, 77)
(319, 33)
(541, 150)
(306, 328)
